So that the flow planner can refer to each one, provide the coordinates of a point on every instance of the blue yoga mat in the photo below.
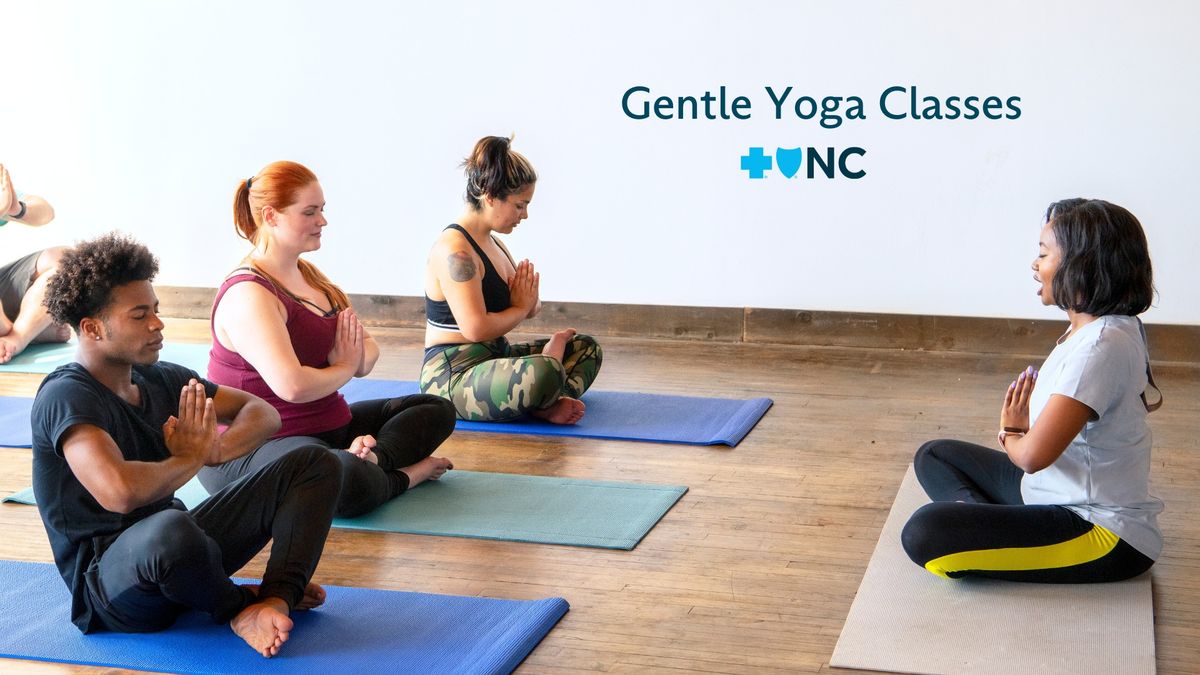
(14, 422)
(506, 506)
(616, 415)
(358, 630)
(44, 358)
(625, 416)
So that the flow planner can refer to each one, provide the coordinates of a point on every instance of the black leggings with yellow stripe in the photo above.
(978, 525)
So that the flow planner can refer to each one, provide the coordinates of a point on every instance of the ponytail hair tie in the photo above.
(249, 181)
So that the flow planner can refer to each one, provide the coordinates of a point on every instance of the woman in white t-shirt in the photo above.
(1068, 500)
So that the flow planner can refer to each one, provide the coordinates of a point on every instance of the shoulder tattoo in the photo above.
(462, 267)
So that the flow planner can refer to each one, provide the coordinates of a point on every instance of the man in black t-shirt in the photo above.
(117, 433)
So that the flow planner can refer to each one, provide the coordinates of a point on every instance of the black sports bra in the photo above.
(495, 290)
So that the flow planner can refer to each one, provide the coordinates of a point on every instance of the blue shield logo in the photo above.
(789, 160)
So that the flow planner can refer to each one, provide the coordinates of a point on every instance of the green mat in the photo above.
(508, 507)
(44, 358)
(22, 497)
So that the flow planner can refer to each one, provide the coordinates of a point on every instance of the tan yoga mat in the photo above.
(906, 620)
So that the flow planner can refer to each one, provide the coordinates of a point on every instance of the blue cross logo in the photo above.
(756, 163)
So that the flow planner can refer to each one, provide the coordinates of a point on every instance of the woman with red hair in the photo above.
(283, 331)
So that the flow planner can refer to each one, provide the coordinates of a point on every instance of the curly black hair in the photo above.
(87, 275)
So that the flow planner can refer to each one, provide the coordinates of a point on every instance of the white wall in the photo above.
(144, 115)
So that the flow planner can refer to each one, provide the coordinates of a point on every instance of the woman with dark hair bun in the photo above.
(475, 294)
(1068, 499)
(283, 331)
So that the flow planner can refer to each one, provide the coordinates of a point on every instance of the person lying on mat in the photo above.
(1068, 500)
(117, 432)
(475, 293)
(283, 331)
(23, 316)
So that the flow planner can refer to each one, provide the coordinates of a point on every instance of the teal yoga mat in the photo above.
(357, 630)
(537, 509)
(21, 497)
(44, 358)
(191, 494)
(508, 507)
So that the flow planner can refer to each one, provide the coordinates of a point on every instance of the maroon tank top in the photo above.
(312, 338)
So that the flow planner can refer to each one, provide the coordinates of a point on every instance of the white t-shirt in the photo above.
(1104, 474)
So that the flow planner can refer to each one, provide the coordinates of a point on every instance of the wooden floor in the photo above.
(755, 568)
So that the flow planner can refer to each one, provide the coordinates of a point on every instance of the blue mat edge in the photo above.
(724, 437)
(24, 436)
(548, 611)
(736, 429)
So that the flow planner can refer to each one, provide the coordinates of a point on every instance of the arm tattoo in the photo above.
(462, 268)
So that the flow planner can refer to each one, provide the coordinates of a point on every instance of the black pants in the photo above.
(978, 525)
(16, 278)
(174, 560)
(407, 429)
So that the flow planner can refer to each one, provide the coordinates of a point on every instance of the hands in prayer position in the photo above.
(193, 433)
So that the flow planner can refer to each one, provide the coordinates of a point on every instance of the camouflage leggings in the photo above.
(497, 381)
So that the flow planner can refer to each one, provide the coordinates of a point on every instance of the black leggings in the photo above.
(978, 525)
(171, 561)
(407, 429)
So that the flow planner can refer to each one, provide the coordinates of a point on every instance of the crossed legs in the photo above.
(497, 381)
(23, 316)
(978, 525)
(176, 560)
(407, 430)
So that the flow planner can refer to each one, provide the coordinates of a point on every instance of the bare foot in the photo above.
(565, 410)
(55, 332)
(361, 448)
(8, 349)
(430, 468)
(265, 626)
(314, 595)
(558, 344)
(15, 342)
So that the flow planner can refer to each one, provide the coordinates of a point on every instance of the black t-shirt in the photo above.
(78, 527)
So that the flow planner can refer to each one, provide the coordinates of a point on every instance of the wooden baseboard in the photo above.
(901, 331)
(1169, 343)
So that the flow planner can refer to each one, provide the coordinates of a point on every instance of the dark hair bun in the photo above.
(495, 169)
